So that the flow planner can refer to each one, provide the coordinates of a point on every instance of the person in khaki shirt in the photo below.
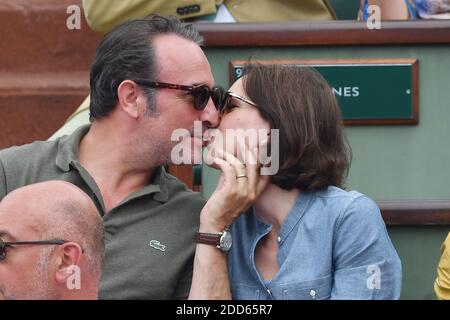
(103, 15)
(442, 283)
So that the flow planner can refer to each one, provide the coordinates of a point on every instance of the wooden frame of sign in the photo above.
(411, 119)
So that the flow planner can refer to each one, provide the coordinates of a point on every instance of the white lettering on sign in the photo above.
(346, 91)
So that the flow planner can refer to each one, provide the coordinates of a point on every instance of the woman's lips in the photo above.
(205, 142)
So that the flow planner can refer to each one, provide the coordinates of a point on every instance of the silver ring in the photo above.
(242, 175)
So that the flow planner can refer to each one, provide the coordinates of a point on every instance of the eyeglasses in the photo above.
(4, 244)
(201, 93)
(226, 99)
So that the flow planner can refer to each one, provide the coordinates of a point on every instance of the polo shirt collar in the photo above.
(68, 148)
(68, 154)
(158, 187)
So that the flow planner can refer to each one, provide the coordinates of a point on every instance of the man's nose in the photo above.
(210, 115)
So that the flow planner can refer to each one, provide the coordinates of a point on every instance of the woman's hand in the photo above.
(239, 185)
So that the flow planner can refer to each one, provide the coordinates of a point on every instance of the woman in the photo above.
(305, 237)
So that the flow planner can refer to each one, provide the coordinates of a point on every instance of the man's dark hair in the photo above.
(313, 149)
(127, 52)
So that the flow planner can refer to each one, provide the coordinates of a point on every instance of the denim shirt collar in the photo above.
(292, 220)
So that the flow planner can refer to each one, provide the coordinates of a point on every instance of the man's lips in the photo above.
(205, 138)
(198, 141)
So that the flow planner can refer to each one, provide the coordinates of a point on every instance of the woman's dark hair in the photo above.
(313, 149)
(127, 52)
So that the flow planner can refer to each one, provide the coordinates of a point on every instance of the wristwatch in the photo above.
(221, 240)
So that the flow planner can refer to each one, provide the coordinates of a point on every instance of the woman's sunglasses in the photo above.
(4, 245)
(225, 104)
(201, 93)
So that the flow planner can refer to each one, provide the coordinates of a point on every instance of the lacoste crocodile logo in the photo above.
(155, 244)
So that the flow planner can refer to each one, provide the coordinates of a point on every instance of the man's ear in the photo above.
(69, 255)
(127, 94)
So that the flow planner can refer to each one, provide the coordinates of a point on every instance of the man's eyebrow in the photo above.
(200, 84)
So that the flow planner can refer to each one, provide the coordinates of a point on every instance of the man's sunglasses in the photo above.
(4, 245)
(225, 104)
(201, 93)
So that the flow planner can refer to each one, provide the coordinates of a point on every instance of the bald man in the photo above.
(51, 243)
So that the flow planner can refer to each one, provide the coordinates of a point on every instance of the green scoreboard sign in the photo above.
(370, 91)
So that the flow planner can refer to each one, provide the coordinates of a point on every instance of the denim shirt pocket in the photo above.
(316, 289)
(245, 292)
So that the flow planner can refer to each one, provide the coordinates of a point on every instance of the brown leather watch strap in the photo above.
(207, 238)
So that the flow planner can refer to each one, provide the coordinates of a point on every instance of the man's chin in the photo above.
(187, 152)
(196, 151)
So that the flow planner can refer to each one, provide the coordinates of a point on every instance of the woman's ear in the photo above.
(127, 94)
(69, 255)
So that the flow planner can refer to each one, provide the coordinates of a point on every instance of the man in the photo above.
(51, 243)
(103, 15)
(150, 218)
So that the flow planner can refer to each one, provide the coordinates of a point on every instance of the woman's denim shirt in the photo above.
(332, 245)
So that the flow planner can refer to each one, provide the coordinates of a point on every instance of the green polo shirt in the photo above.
(149, 236)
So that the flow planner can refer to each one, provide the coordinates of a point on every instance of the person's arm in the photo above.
(392, 9)
(210, 279)
(442, 283)
(103, 15)
(232, 197)
(366, 265)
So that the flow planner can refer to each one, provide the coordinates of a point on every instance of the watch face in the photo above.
(225, 241)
